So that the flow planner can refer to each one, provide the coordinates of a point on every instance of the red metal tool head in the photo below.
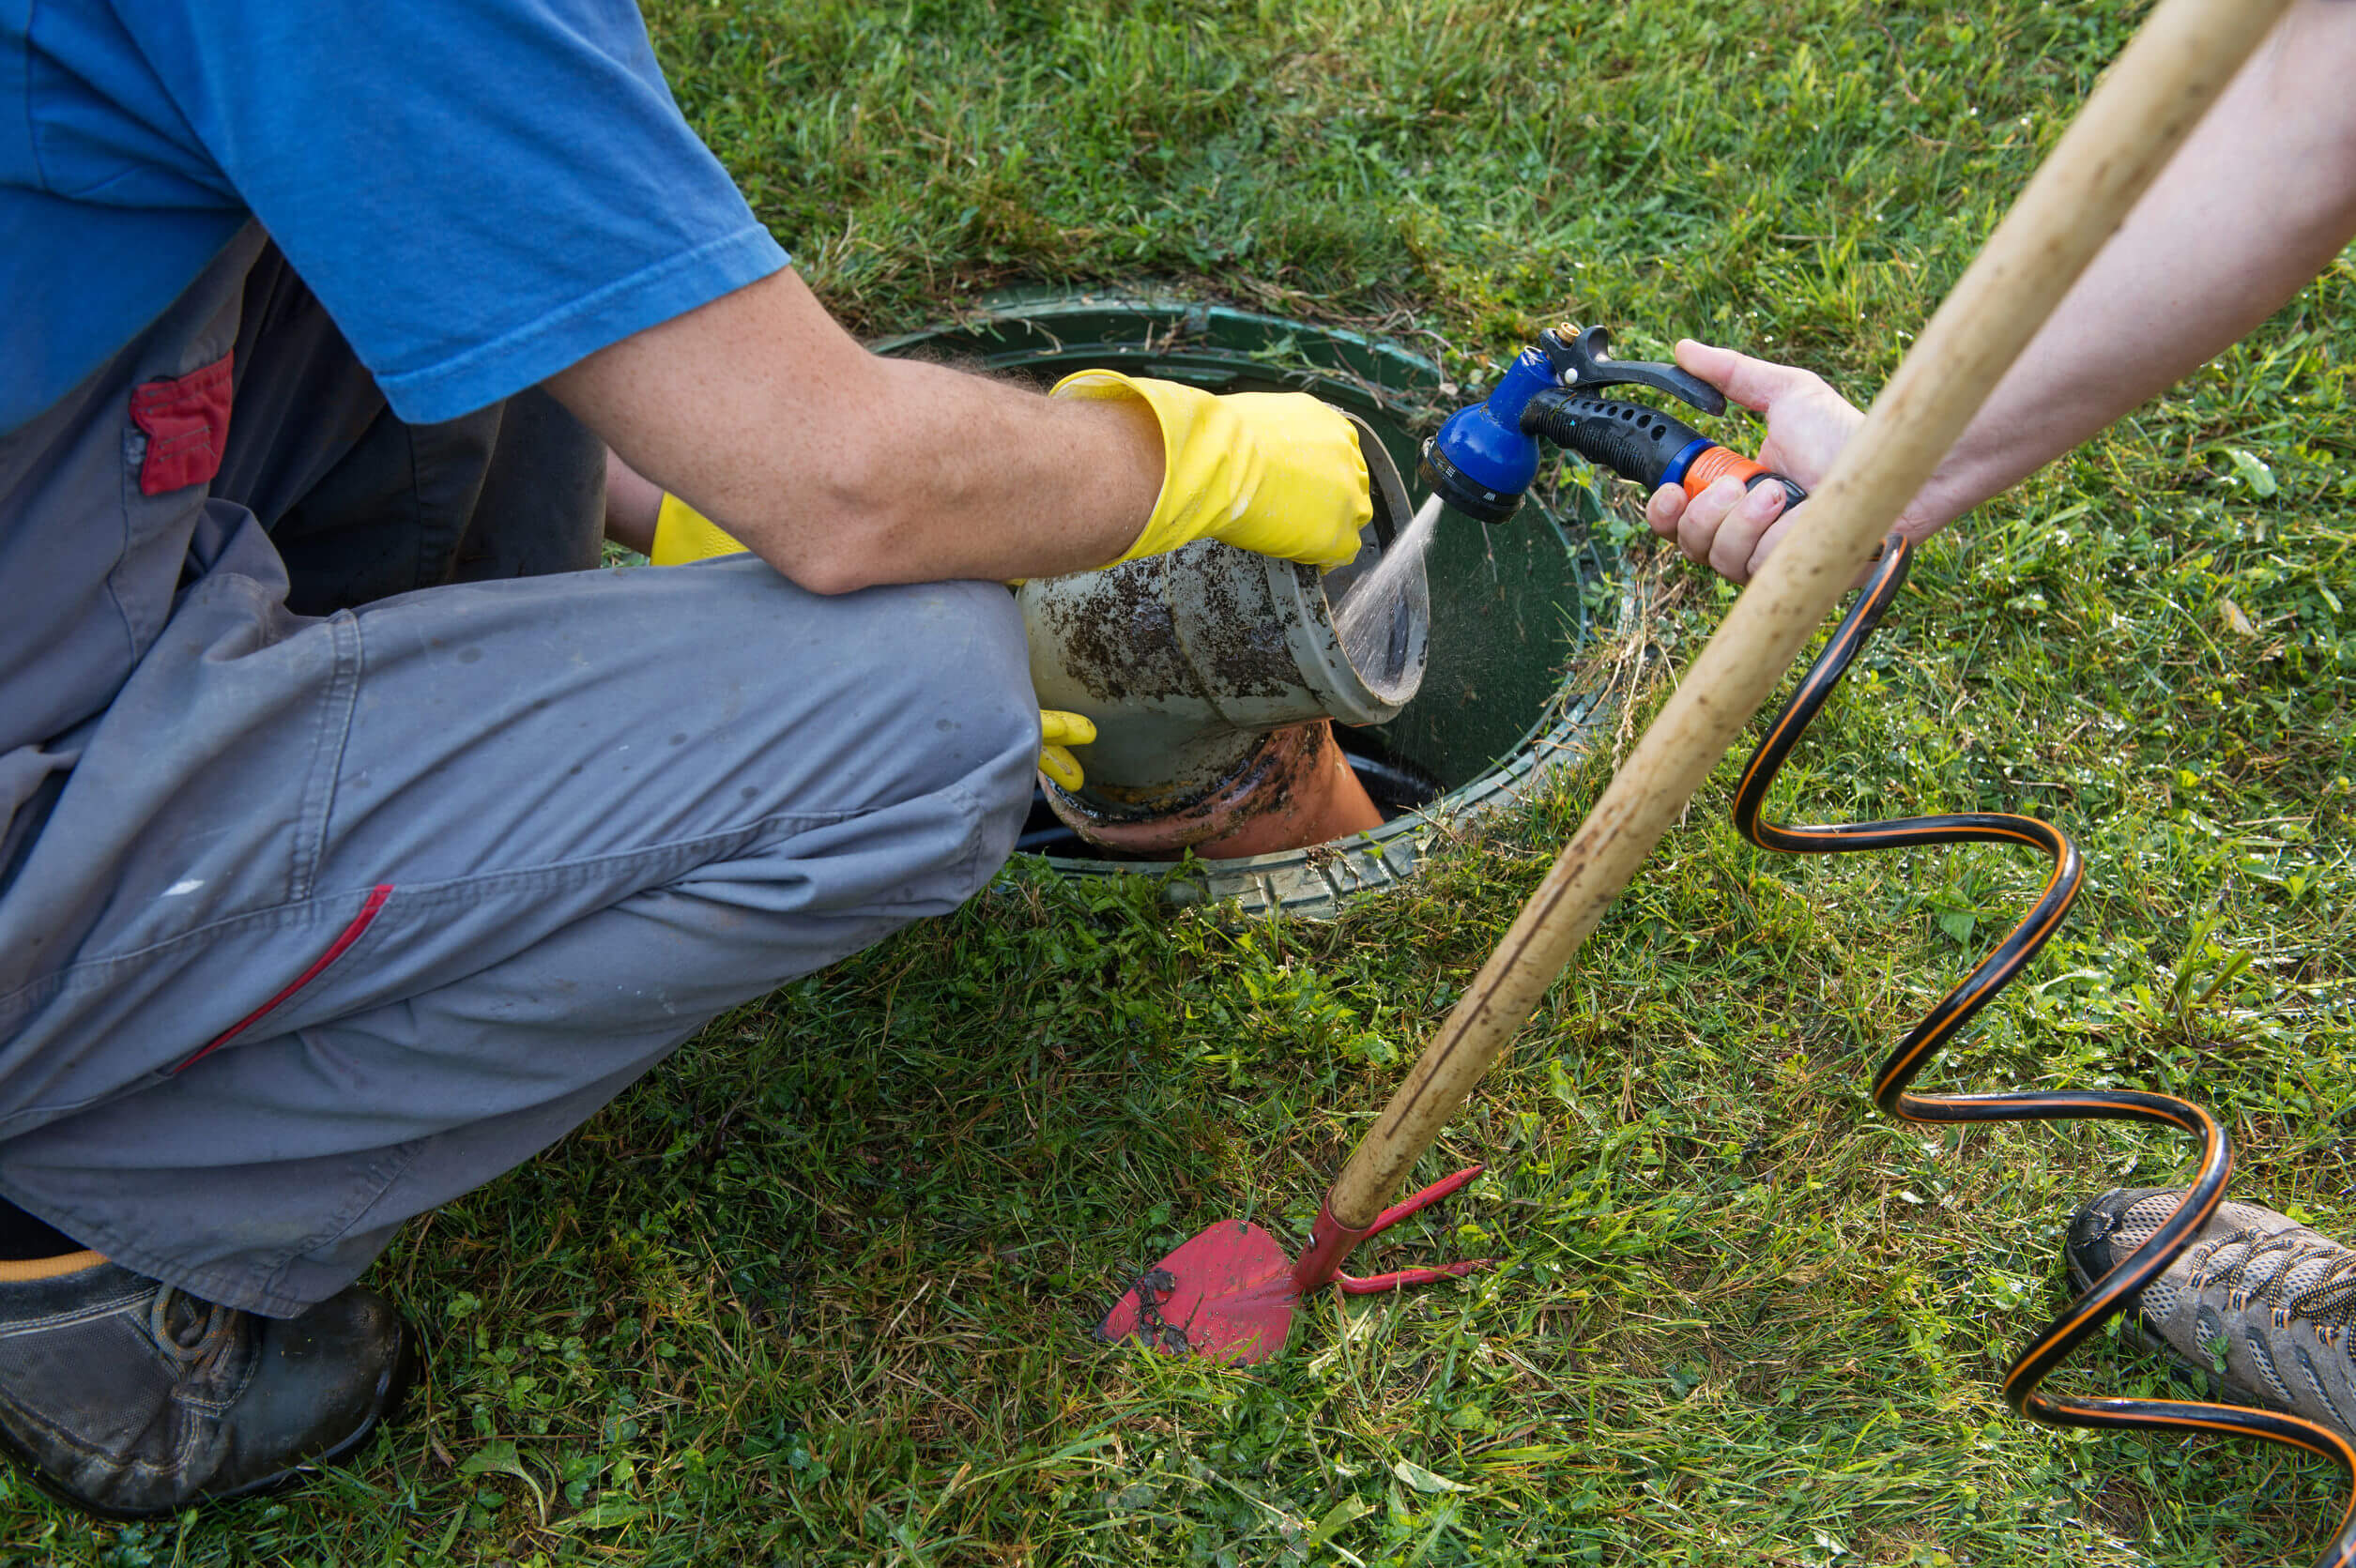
(1227, 1295)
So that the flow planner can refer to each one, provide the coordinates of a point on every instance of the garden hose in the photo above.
(1892, 1091)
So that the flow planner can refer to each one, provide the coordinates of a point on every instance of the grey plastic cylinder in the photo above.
(1185, 660)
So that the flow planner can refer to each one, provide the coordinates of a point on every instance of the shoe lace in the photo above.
(193, 1332)
(2251, 1265)
(2331, 1300)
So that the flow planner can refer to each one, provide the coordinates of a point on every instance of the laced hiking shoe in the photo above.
(130, 1399)
(2260, 1306)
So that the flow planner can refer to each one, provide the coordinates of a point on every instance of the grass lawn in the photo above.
(818, 1291)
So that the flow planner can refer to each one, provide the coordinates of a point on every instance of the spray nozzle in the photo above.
(1483, 460)
(1480, 462)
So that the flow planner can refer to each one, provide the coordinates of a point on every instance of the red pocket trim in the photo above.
(187, 422)
(376, 896)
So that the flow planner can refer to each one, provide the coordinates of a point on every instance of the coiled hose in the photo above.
(2112, 1293)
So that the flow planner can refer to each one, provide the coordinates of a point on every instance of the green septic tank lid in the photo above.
(1503, 705)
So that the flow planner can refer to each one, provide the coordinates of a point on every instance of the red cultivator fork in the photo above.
(1228, 1294)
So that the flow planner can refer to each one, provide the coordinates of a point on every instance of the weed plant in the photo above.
(818, 1291)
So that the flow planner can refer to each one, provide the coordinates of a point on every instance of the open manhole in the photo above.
(1502, 703)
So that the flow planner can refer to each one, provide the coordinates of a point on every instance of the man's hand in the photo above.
(1275, 472)
(1059, 731)
(683, 534)
(1731, 529)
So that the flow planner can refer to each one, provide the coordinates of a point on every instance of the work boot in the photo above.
(2258, 1306)
(129, 1398)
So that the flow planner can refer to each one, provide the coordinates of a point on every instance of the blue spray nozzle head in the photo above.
(1480, 462)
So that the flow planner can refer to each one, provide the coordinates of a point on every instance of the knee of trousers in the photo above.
(983, 722)
(943, 704)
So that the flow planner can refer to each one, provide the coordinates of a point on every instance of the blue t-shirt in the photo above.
(480, 191)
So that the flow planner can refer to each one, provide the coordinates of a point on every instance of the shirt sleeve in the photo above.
(480, 192)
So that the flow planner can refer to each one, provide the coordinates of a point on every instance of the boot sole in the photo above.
(395, 1388)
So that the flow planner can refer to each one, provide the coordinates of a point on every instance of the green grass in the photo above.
(818, 1291)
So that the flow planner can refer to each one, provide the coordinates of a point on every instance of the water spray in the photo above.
(1228, 1294)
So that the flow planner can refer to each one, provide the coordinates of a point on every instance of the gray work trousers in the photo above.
(313, 917)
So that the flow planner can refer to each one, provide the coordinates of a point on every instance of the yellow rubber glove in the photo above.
(1059, 731)
(1275, 472)
(683, 534)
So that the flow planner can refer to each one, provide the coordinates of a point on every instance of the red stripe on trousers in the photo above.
(376, 896)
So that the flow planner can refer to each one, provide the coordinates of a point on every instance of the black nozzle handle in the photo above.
(1633, 441)
(1644, 444)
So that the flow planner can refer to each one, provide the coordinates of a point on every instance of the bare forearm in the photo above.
(2259, 199)
(634, 505)
(843, 469)
(967, 478)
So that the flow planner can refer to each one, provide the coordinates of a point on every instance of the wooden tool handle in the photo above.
(2157, 89)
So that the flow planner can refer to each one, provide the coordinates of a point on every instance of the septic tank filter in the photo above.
(1214, 677)
(1517, 688)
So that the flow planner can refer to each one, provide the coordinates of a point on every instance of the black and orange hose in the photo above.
(1892, 1092)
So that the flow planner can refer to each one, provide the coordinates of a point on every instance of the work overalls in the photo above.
(355, 845)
